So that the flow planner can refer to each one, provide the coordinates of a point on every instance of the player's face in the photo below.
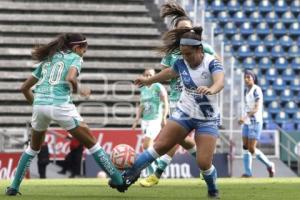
(149, 73)
(184, 24)
(192, 55)
(80, 50)
(248, 80)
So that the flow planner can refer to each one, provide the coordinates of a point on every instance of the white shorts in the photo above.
(151, 128)
(66, 116)
(172, 106)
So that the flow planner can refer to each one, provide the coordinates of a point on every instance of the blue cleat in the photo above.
(11, 191)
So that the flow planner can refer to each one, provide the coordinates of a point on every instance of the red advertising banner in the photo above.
(8, 165)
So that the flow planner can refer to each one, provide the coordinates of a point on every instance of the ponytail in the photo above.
(174, 11)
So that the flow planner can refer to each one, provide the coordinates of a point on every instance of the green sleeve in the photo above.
(77, 62)
(208, 49)
(37, 73)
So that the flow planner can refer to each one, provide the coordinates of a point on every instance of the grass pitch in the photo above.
(167, 189)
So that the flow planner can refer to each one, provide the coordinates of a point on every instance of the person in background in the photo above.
(43, 159)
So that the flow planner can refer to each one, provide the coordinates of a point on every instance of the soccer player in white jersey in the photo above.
(203, 78)
(252, 122)
(153, 110)
(55, 78)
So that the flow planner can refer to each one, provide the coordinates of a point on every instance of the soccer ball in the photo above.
(122, 156)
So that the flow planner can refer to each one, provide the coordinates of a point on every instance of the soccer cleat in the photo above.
(11, 191)
(271, 170)
(213, 194)
(246, 176)
(120, 188)
(149, 181)
(127, 182)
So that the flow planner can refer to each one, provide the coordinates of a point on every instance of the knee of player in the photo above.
(203, 163)
(251, 150)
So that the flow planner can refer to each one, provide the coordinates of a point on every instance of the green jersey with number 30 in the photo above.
(175, 85)
(52, 87)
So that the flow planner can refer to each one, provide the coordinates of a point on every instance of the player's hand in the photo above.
(141, 81)
(241, 121)
(85, 91)
(204, 90)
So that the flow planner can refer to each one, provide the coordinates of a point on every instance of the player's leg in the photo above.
(206, 143)
(189, 145)
(247, 157)
(147, 142)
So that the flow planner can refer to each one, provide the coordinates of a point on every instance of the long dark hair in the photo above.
(174, 11)
(62, 43)
(171, 39)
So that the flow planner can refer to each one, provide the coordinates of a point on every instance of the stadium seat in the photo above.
(271, 18)
(209, 17)
(288, 74)
(217, 6)
(233, 6)
(279, 84)
(288, 17)
(254, 40)
(263, 83)
(246, 29)
(295, 6)
(288, 125)
(261, 51)
(239, 18)
(280, 6)
(295, 64)
(249, 63)
(281, 63)
(291, 107)
(255, 18)
(271, 74)
(263, 29)
(237, 40)
(270, 125)
(265, 63)
(298, 41)
(274, 107)
(230, 29)
(218, 29)
(286, 95)
(277, 51)
(294, 29)
(270, 41)
(223, 18)
(286, 41)
(270, 95)
(279, 29)
(244, 51)
(296, 120)
(265, 6)
(295, 85)
(294, 51)
(248, 6)
(281, 117)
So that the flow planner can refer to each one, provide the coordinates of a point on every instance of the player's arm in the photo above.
(138, 116)
(163, 75)
(164, 99)
(255, 109)
(26, 88)
(72, 79)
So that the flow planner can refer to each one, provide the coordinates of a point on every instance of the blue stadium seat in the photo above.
(265, 63)
(223, 18)
(270, 41)
(217, 6)
(274, 107)
(261, 51)
(270, 125)
(254, 40)
(294, 29)
(271, 74)
(296, 120)
(295, 85)
(295, 6)
(265, 6)
(288, 125)
(279, 84)
(277, 51)
(239, 18)
(288, 17)
(263, 83)
(233, 6)
(237, 40)
(295, 64)
(281, 63)
(270, 95)
(230, 29)
(263, 29)
(255, 18)
(286, 41)
(291, 107)
(281, 117)
(271, 18)
(249, 63)
(218, 30)
(279, 29)
(280, 6)
(209, 17)
(246, 29)
(249, 6)
(294, 51)
(288, 74)
(298, 41)
(286, 95)
(244, 51)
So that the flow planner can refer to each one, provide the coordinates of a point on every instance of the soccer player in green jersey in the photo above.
(179, 20)
(153, 110)
(55, 78)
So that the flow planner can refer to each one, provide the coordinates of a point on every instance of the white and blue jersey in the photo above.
(195, 110)
(253, 125)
